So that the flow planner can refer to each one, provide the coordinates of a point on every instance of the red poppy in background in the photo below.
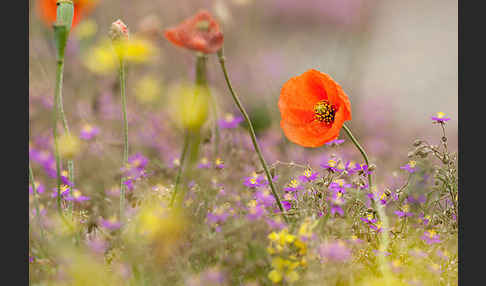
(200, 33)
(47, 10)
(313, 108)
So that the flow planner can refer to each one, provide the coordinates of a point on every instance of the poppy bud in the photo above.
(118, 31)
(65, 13)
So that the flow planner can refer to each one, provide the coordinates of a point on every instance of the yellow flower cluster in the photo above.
(289, 252)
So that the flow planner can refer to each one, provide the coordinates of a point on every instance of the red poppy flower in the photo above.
(47, 10)
(313, 108)
(200, 33)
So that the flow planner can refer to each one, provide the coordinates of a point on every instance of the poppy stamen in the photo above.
(325, 112)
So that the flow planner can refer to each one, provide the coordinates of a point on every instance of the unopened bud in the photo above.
(418, 142)
(65, 13)
(371, 167)
(118, 31)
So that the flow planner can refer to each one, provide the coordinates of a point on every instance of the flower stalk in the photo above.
(383, 244)
(65, 13)
(125, 136)
(251, 132)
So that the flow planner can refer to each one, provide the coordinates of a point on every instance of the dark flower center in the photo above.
(325, 112)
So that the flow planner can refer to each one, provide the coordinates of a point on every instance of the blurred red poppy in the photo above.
(200, 32)
(47, 10)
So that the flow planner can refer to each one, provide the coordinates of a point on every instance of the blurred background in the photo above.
(397, 61)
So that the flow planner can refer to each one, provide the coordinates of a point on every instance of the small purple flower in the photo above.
(265, 198)
(112, 223)
(332, 165)
(440, 118)
(77, 197)
(410, 167)
(218, 216)
(39, 188)
(230, 121)
(339, 186)
(88, 132)
(334, 252)
(137, 161)
(218, 163)
(378, 253)
(287, 205)
(351, 167)
(335, 142)
(97, 245)
(255, 181)
(419, 200)
(431, 237)
(404, 212)
(64, 191)
(204, 164)
(425, 219)
(293, 186)
(31, 259)
(255, 211)
(308, 176)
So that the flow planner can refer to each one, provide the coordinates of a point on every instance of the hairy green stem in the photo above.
(381, 212)
(181, 166)
(125, 137)
(59, 73)
(251, 132)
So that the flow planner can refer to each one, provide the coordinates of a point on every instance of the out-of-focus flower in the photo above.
(219, 163)
(410, 166)
(204, 163)
(69, 146)
(211, 276)
(229, 121)
(425, 219)
(188, 105)
(431, 237)
(200, 33)
(293, 186)
(255, 181)
(102, 58)
(147, 89)
(255, 211)
(283, 269)
(335, 142)
(313, 108)
(86, 29)
(440, 118)
(334, 252)
(287, 205)
(112, 223)
(218, 216)
(39, 188)
(47, 10)
(88, 132)
(76, 196)
(404, 212)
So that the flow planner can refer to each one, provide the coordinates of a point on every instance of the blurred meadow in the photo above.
(396, 60)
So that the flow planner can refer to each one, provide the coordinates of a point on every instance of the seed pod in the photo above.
(418, 142)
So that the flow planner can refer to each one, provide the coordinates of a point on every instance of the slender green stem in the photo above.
(125, 136)
(251, 131)
(36, 203)
(181, 166)
(360, 148)
(193, 139)
(381, 212)
(59, 75)
(216, 135)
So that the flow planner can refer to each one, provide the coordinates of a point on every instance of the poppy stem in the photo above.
(251, 131)
(59, 72)
(181, 165)
(360, 148)
(36, 203)
(384, 232)
(125, 137)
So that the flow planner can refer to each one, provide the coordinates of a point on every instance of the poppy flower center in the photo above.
(325, 112)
